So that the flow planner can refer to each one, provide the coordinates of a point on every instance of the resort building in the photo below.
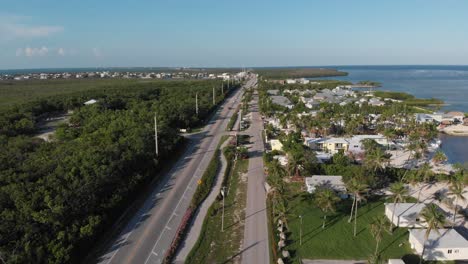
(441, 245)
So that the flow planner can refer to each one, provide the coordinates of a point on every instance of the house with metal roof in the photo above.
(441, 245)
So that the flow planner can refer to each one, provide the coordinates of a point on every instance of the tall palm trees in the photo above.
(399, 194)
(326, 200)
(424, 174)
(357, 189)
(377, 229)
(457, 190)
(434, 219)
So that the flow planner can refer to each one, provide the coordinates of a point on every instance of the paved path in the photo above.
(255, 243)
(195, 229)
(147, 236)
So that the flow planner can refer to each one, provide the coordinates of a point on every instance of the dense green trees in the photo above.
(57, 197)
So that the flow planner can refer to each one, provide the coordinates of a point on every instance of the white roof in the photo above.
(445, 238)
(334, 182)
(395, 261)
(406, 210)
(336, 140)
(92, 101)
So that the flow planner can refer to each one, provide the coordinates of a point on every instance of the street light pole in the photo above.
(156, 135)
(214, 96)
(222, 218)
(196, 103)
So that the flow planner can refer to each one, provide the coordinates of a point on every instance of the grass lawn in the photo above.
(336, 241)
(214, 246)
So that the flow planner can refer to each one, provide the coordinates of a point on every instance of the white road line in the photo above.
(177, 206)
(141, 217)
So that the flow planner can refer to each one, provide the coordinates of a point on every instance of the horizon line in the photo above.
(232, 67)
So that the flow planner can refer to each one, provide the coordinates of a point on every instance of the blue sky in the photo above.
(220, 33)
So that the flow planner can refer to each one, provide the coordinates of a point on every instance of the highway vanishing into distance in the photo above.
(149, 233)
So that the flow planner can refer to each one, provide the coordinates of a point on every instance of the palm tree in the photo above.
(275, 169)
(399, 193)
(374, 259)
(434, 219)
(424, 174)
(280, 209)
(326, 200)
(357, 189)
(295, 162)
(457, 190)
(439, 157)
(377, 228)
(412, 179)
(375, 159)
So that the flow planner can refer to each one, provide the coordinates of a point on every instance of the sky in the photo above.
(227, 33)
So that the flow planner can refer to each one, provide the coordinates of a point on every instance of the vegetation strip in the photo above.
(202, 191)
(59, 197)
(213, 245)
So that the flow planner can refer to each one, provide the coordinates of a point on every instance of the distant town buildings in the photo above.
(122, 75)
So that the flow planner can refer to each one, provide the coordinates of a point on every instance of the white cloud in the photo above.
(13, 27)
(61, 52)
(32, 52)
(97, 52)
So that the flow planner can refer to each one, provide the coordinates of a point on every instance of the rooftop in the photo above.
(281, 100)
(406, 209)
(335, 182)
(441, 238)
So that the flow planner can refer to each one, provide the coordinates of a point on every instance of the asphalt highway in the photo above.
(149, 233)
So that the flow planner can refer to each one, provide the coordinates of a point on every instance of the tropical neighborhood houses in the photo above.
(361, 172)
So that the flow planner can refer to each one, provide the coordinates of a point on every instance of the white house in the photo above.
(282, 159)
(442, 244)
(332, 182)
(406, 214)
(330, 145)
(457, 116)
(356, 146)
(276, 145)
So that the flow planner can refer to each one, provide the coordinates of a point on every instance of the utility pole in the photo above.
(223, 193)
(222, 88)
(300, 232)
(214, 96)
(156, 135)
(196, 103)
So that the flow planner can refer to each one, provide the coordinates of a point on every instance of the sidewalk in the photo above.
(197, 223)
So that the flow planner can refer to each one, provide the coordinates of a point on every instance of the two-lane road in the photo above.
(255, 244)
(148, 235)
